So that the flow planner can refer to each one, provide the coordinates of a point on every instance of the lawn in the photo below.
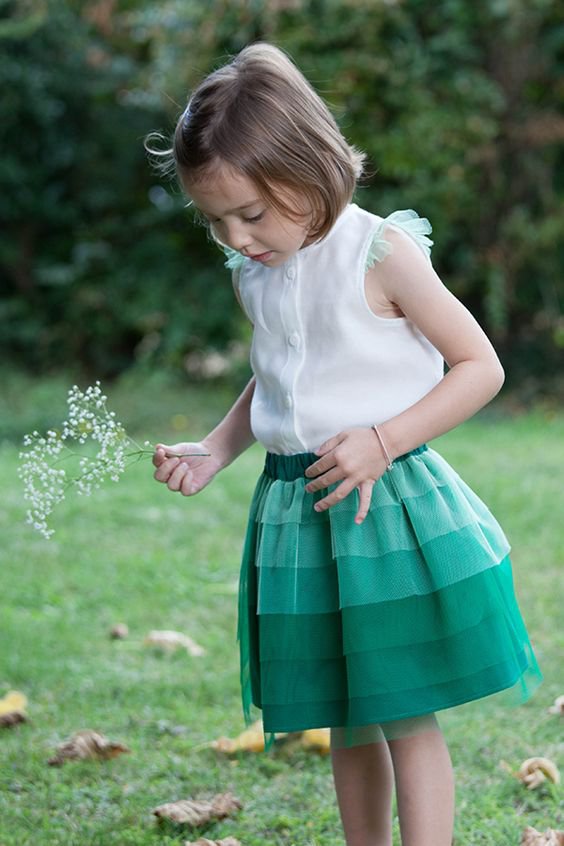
(136, 553)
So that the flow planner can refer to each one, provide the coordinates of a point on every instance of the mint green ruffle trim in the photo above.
(234, 259)
(409, 221)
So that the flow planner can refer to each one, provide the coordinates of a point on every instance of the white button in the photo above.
(288, 400)
(291, 273)
(294, 339)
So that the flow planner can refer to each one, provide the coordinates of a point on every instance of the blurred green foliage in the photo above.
(457, 104)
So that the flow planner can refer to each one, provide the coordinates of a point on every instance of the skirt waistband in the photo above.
(288, 468)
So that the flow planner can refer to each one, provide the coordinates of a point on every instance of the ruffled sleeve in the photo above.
(234, 263)
(234, 259)
(418, 228)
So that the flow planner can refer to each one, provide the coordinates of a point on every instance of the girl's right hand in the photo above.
(188, 474)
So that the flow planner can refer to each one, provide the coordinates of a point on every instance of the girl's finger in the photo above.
(186, 484)
(164, 452)
(337, 495)
(329, 445)
(172, 450)
(365, 492)
(159, 455)
(164, 469)
(177, 476)
(321, 466)
(329, 478)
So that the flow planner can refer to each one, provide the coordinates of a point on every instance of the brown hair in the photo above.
(259, 116)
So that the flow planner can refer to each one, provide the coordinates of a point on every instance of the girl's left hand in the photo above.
(353, 456)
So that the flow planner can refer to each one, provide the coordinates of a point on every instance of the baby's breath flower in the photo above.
(46, 482)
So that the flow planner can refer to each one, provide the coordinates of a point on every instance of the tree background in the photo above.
(458, 106)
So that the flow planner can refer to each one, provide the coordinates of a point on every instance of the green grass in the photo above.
(135, 552)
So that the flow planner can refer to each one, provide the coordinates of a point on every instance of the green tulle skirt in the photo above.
(348, 625)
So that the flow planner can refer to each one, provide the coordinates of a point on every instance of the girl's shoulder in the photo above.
(404, 220)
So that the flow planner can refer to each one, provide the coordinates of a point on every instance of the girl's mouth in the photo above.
(262, 256)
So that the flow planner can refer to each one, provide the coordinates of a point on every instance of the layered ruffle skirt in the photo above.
(352, 626)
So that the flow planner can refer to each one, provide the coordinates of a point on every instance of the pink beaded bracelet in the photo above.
(383, 445)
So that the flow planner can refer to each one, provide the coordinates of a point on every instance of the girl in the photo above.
(375, 587)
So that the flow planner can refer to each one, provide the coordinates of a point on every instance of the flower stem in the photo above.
(170, 454)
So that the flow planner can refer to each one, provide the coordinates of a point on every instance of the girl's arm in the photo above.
(230, 438)
(475, 373)
(233, 435)
(408, 280)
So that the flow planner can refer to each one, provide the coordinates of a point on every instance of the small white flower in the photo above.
(45, 483)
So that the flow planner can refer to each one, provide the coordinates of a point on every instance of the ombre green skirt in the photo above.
(350, 625)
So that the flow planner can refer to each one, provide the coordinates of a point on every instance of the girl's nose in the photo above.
(238, 237)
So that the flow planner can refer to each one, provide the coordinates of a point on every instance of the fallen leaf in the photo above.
(13, 701)
(317, 739)
(250, 740)
(86, 744)
(8, 720)
(12, 708)
(551, 837)
(227, 841)
(558, 707)
(534, 771)
(199, 811)
(171, 640)
(119, 632)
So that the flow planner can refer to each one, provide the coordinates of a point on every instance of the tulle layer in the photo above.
(411, 612)
(418, 228)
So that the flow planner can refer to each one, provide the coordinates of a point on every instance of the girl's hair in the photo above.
(259, 116)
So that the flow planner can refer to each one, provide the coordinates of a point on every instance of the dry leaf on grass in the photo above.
(199, 811)
(171, 640)
(535, 771)
(551, 837)
(227, 841)
(12, 708)
(9, 720)
(119, 632)
(250, 740)
(86, 744)
(318, 740)
(558, 707)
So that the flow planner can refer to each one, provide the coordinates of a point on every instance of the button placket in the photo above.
(292, 339)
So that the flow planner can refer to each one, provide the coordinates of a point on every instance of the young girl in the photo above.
(376, 587)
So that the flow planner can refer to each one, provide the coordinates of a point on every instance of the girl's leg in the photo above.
(364, 783)
(424, 783)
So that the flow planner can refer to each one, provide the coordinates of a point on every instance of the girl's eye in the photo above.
(255, 219)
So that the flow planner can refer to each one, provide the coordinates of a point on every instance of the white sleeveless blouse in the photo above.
(323, 360)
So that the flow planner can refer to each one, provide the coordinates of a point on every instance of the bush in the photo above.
(457, 106)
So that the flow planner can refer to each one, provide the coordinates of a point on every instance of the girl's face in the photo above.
(240, 219)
